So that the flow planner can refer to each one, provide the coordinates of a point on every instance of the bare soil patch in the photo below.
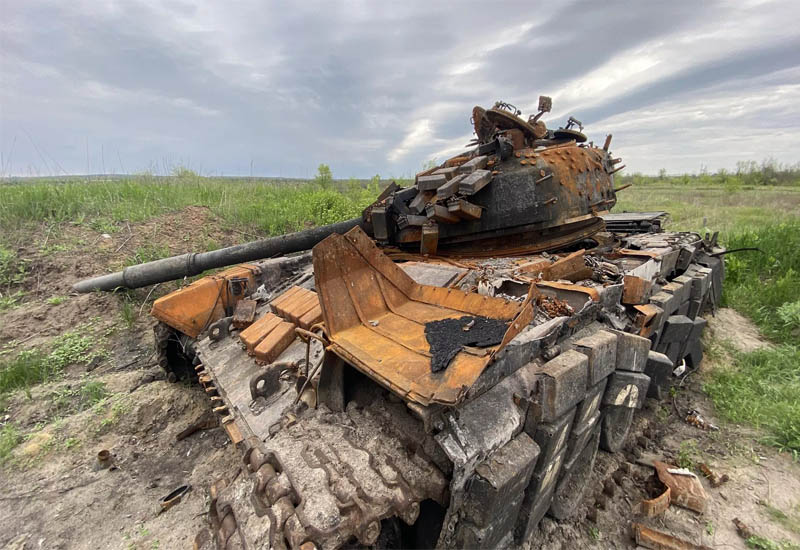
(55, 495)
(730, 326)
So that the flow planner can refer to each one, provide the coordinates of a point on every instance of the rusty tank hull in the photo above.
(443, 371)
(378, 450)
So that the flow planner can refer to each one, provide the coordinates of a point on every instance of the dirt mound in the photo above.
(58, 257)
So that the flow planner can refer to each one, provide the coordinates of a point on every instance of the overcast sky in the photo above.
(382, 87)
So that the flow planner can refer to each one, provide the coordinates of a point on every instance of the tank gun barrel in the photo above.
(193, 263)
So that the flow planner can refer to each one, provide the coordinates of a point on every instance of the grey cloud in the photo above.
(290, 86)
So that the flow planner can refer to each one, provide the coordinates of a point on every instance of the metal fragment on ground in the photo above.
(713, 478)
(686, 490)
(696, 419)
(658, 540)
(656, 506)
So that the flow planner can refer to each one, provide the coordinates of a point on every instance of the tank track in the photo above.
(523, 449)
(350, 479)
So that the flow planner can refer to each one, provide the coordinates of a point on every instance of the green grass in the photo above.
(9, 439)
(30, 367)
(758, 542)
(12, 269)
(762, 388)
(714, 208)
(687, 453)
(8, 301)
(766, 286)
(12, 273)
(270, 207)
(92, 392)
(70, 399)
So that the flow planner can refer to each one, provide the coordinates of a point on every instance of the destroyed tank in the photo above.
(442, 371)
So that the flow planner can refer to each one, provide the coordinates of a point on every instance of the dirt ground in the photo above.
(56, 496)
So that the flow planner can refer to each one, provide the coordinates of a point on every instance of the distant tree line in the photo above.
(747, 173)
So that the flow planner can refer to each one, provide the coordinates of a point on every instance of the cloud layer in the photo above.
(382, 87)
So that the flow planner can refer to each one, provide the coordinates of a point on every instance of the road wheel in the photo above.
(572, 485)
(175, 352)
(614, 427)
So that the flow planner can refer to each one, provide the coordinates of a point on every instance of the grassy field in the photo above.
(760, 388)
(263, 206)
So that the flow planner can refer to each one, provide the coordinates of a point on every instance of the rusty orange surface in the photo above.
(590, 292)
(643, 253)
(193, 308)
(274, 343)
(311, 318)
(375, 315)
(299, 306)
(635, 289)
(255, 333)
(658, 540)
(645, 315)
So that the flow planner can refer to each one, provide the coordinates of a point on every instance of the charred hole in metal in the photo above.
(447, 337)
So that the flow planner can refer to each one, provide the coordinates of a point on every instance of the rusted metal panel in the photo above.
(588, 291)
(655, 506)
(646, 319)
(534, 267)
(375, 315)
(635, 290)
(245, 313)
(686, 489)
(571, 267)
(193, 308)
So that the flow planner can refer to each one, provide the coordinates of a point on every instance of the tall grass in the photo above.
(258, 205)
(762, 387)
(747, 173)
(763, 285)
(9, 439)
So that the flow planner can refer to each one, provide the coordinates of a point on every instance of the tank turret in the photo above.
(521, 188)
